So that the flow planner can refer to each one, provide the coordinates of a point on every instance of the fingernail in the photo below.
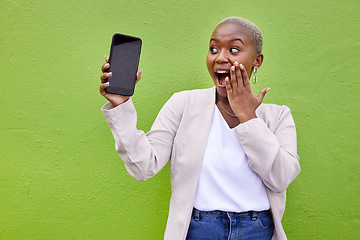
(241, 65)
(232, 68)
(268, 89)
(236, 63)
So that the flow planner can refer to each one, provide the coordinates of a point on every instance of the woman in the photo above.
(232, 157)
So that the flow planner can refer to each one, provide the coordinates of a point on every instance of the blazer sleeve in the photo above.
(144, 154)
(271, 148)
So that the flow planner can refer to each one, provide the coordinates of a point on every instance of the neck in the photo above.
(225, 106)
(223, 100)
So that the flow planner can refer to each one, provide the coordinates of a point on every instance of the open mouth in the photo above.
(220, 76)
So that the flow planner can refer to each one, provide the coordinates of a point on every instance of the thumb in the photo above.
(261, 95)
(138, 75)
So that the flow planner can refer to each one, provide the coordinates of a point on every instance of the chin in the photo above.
(221, 91)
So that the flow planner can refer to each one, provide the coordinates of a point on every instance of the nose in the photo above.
(222, 57)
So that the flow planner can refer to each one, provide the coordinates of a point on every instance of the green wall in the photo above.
(60, 177)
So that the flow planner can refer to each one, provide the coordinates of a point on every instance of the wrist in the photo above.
(119, 101)
(245, 118)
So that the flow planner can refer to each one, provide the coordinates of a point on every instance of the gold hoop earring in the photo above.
(254, 75)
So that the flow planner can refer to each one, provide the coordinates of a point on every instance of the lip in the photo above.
(220, 85)
(219, 71)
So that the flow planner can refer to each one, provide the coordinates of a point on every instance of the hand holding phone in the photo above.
(124, 61)
(115, 99)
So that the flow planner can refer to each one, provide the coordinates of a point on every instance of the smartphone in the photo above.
(124, 61)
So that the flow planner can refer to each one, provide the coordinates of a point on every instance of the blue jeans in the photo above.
(219, 225)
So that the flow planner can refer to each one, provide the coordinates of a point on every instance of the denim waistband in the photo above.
(217, 213)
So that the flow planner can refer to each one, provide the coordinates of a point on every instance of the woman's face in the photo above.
(230, 42)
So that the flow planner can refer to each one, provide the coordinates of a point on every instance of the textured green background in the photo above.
(60, 177)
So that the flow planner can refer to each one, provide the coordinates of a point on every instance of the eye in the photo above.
(214, 49)
(234, 50)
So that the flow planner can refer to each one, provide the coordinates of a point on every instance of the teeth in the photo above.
(222, 72)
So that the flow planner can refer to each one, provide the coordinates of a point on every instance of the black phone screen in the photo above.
(124, 62)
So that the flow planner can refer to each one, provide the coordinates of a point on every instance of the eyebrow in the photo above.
(232, 40)
(238, 39)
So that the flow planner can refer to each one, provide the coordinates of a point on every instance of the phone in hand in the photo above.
(124, 61)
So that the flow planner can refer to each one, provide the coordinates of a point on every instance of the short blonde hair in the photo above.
(255, 31)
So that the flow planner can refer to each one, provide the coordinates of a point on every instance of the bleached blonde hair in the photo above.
(254, 30)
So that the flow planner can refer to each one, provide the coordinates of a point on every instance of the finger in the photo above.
(261, 95)
(245, 78)
(239, 76)
(105, 67)
(106, 59)
(232, 79)
(228, 86)
(104, 76)
(138, 75)
(102, 88)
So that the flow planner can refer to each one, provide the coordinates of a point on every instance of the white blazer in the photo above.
(180, 134)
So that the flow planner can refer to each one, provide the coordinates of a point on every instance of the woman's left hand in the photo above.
(241, 98)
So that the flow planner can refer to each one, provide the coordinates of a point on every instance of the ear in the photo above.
(258, 60)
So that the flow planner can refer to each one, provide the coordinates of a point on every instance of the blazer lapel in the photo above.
(205, 113)
(198, 122)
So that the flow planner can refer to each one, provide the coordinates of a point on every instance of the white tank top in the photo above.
(226, 181)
